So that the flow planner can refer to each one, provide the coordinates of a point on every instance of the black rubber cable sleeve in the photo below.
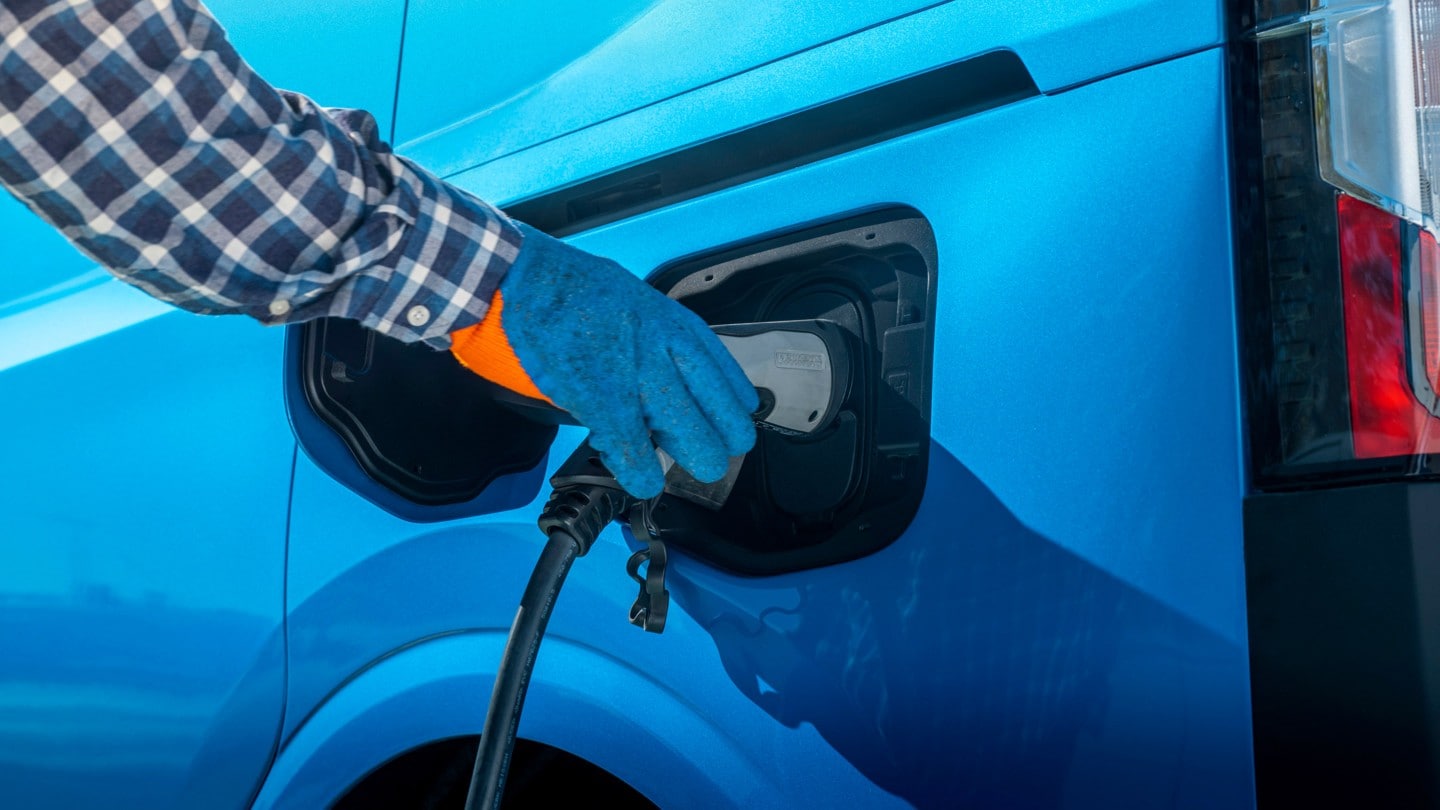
(497, 739)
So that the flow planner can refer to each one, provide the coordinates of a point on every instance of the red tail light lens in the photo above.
(1386, 418)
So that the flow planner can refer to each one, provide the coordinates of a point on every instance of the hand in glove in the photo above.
(635, 367)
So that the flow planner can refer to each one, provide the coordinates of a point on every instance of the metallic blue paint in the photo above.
(745, 57)
(1062, 624)
(145, 496)
(52, 266)
(381, 704)
(395, 634)
(141, 577)
(1071, 256)
(341, 53)
(576, 59)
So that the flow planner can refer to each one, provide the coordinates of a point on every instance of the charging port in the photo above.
(803, 501)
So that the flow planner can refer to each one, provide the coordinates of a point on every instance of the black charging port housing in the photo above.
(413, 419)
(851, 489)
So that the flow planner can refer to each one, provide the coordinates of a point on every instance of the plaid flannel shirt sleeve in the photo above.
(137, 130)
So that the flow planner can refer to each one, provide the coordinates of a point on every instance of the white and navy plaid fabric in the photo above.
(135, 128)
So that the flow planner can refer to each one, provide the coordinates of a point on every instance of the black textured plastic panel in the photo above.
(852, 488)
(416, 420)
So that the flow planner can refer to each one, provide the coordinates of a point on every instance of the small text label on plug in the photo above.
(805, 361)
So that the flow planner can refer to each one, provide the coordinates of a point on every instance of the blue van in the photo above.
(1130, 504)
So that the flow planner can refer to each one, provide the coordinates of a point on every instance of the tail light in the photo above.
(1337, 135)
(1390, 370)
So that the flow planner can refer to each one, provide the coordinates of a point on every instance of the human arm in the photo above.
(135, 128)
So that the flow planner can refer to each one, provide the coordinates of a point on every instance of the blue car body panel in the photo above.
(425, 645)
(141, 577)
(344, 53)
(1062, 624)
(627, 56)
(577, 60)
(146, 490)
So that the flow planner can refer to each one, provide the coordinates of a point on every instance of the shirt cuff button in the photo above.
(279, 307)
(418, 316)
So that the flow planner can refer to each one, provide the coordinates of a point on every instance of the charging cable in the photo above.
(585, 499)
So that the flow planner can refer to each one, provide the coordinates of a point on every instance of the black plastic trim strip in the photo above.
(871, 116)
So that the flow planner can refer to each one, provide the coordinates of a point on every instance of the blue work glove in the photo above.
(635, 367)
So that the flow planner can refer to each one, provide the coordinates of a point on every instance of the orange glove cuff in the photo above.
(484, 349)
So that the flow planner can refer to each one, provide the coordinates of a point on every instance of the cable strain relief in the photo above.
(583, 511)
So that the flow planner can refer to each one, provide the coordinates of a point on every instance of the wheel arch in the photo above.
(582, 701)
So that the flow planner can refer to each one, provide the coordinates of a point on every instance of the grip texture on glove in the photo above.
(635, 367)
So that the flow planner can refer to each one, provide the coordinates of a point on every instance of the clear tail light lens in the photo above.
(1373, 123)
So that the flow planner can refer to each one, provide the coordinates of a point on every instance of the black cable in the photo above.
(497, 740)
(585, 499)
